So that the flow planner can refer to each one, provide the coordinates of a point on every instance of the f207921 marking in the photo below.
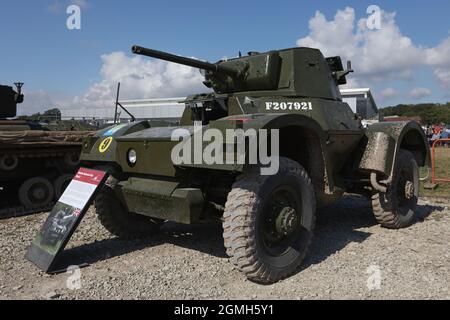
(305, 106)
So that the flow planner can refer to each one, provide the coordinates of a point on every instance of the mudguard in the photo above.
(280, 121)
(267, 121)
(385, 141)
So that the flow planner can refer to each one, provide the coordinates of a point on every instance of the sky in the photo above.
(404, 59)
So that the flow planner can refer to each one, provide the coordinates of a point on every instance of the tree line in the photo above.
(431, 113)
(46, 116)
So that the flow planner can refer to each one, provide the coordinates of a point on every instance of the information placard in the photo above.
(65, 218)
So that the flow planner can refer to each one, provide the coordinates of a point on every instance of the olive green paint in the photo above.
(251, 92)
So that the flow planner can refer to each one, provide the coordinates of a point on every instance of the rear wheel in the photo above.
(396, 208)
(117, 220)
(269, 222)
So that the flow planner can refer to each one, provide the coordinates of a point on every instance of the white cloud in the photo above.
(419, 93)
(141, 78)
(443, 76)
(387, 94)
(377, 55)
(353, 82)
(35, 101)
(439, 56)
(338, 34)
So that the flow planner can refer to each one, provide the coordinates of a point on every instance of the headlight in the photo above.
(132, 157)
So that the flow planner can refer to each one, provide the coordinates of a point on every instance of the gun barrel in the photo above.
(182, 60)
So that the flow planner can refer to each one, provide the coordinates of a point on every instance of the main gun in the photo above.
(254, 72)
(214, 68)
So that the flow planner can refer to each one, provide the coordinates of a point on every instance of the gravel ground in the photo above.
(189, 262)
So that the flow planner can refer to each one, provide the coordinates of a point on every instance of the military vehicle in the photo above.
(268, 220)
(35, 164)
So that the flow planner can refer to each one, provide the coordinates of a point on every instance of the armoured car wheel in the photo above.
(269, 221)
(36, 193)
(395, 209)
(117, 220)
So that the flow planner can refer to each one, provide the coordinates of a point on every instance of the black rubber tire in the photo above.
(117, 220)
(243, 216)
(386, 208)
(26, 199)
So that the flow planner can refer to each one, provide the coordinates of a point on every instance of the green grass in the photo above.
(442, 171)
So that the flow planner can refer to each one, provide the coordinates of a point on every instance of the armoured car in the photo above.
(321, 150)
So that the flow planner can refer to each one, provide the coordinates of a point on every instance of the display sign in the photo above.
(64, 218)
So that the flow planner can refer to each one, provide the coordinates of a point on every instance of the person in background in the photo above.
(445, 134)
(429, 131)
(437, 129)
(436, 136)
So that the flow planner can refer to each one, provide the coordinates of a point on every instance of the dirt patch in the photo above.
(189, 262)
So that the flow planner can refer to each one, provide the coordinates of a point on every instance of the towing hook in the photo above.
(375, 184)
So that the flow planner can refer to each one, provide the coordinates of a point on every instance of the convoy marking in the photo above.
(105, 144)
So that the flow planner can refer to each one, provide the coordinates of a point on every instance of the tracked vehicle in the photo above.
(268, 220)
(35, 164)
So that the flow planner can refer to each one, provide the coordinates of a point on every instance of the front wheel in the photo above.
(117, 220)
(396, 208)
(269, 221)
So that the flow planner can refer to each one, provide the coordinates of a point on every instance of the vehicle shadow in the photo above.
(337, 226)
(340, 224)
(205, 238)
(425, 211)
